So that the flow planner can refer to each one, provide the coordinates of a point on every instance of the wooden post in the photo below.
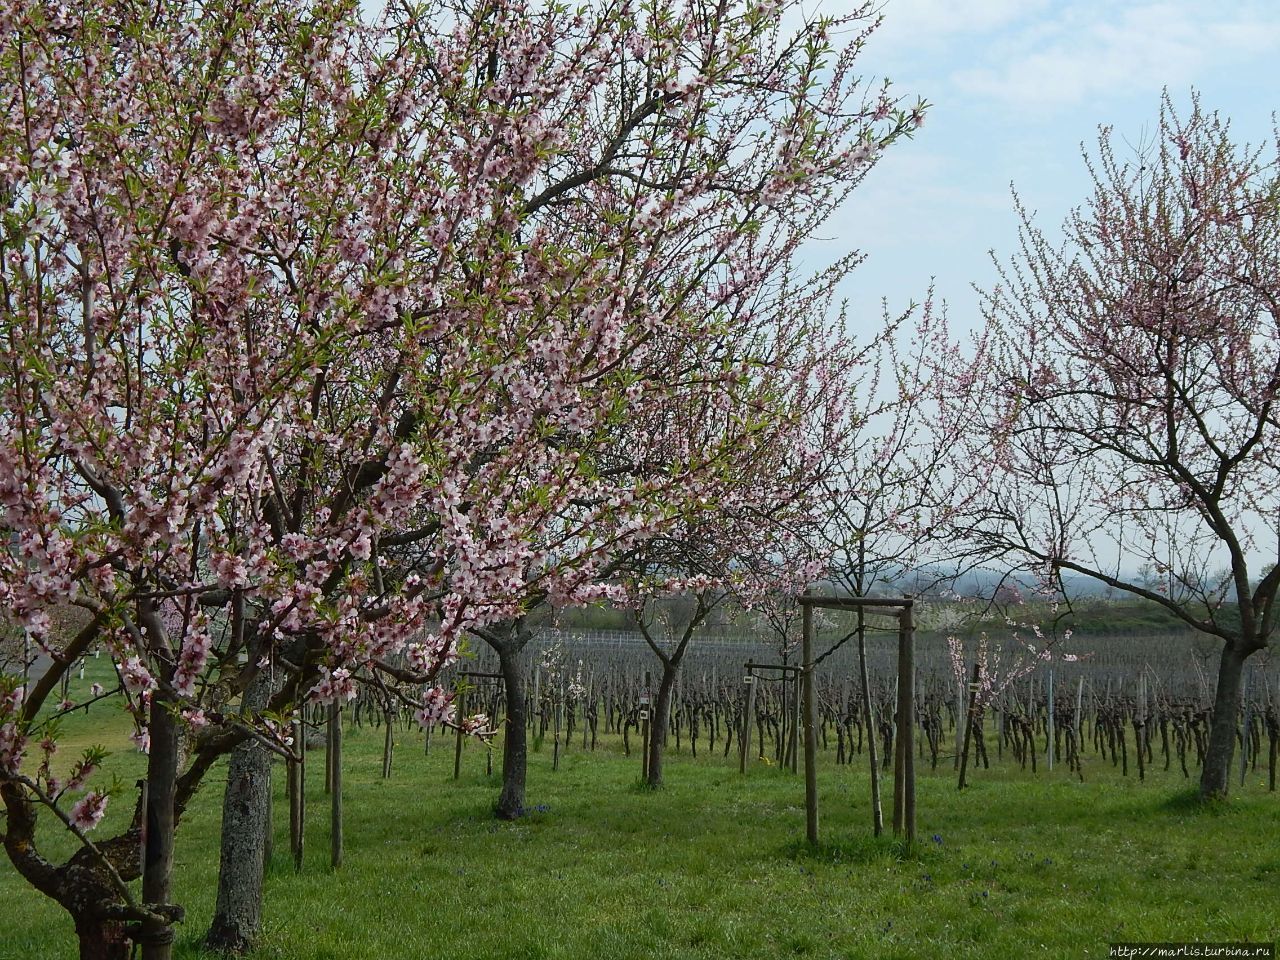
(555, 713)
(457, 747)
(973, 699)
(1000, 712)
(1049, 750)
(328, 751)
(868, 719)
(1080, 710)
(1139, 726)
(797, 722)
(749, 702)
(810, 729)
(904, 802)
(898, 771)
(644, 728)
(335, 812)
(388, 744)
(297, 793)
(291, 791)
(780, 747)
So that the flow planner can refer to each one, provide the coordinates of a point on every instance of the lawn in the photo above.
(713, 865)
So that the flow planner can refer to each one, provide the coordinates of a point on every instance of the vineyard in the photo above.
(1096, 707)
(379, 779)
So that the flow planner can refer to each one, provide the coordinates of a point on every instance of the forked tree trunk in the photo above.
(1215, 777)
(81, 886)
(237, 917)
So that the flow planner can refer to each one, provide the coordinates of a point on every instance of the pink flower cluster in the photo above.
(192, 659)
(13, 743)
(333, 686)
(88, 811)
(135, 676)
(436, 707)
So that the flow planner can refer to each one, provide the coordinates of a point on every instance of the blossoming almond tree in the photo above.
(718, 437)
(748, 541)
(1132, 392)
(309, 327)
(892, 482)
(726, 269)
(998, 663)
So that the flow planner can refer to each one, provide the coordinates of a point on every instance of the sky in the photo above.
(1016, 87)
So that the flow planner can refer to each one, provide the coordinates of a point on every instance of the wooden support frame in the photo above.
(904, 773)
(462, 703)
(788, 671)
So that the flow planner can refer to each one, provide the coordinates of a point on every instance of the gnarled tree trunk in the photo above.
(237, 917)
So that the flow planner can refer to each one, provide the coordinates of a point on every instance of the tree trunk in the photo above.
(156, 936)
(102, 939)
(661, 711)
(81, 886)
(1215, 778)
(515, 745)
(238, 914)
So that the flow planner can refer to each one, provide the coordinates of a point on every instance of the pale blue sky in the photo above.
(1016, 86)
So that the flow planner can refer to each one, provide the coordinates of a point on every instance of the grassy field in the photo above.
(713, 866)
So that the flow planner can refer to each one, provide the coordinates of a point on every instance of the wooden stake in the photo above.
(810, 730)
(335, 812)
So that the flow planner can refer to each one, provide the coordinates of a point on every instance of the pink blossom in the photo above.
(136, 677)
(333, 686)
(436, 707)
(87, 812)
(12, 747)
(191, 660)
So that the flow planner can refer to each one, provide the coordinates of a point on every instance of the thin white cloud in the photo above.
(1090, 51)
(922, 21)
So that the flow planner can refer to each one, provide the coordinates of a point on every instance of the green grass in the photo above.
(714, 864)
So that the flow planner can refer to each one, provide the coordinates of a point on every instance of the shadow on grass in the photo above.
(854, 851)
(1188, 803)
